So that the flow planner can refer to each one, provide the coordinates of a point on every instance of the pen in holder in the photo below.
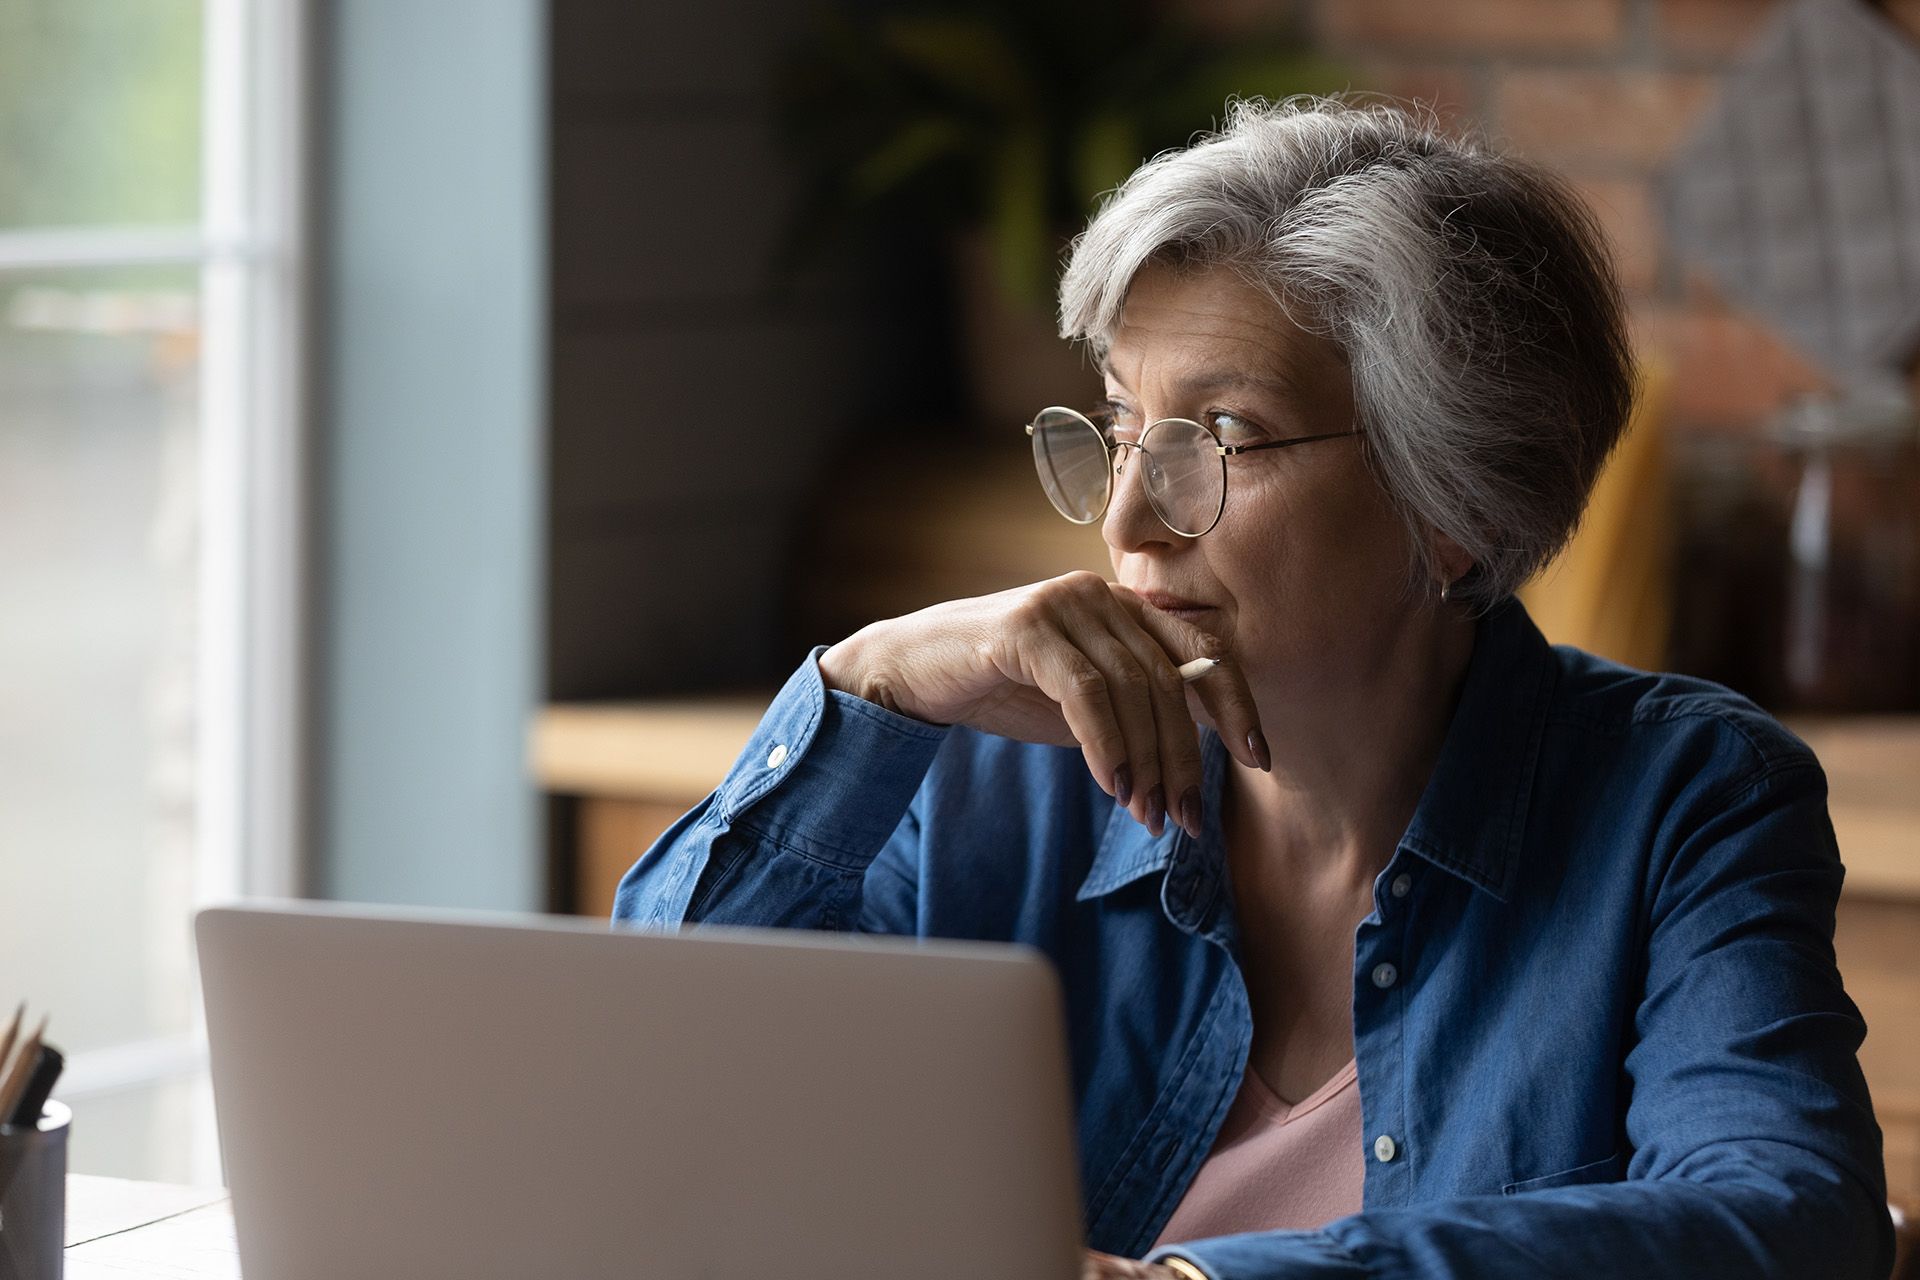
(33, 1195)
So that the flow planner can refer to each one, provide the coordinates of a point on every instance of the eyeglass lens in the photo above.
(1071, 456)
(1184, 474)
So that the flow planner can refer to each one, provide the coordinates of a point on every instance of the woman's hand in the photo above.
(1104, 1266)
(1072, 661)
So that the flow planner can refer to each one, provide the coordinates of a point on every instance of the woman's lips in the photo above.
(1175, 605)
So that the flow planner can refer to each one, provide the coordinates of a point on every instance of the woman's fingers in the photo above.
(1224, 695)
(1063, 672)
(1175, 732)
(1139, 778)
(1108, 703)
(1110, 666)
(1222, 692)
(1149, 699)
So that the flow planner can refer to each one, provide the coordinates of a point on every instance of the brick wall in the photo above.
(1603, 91)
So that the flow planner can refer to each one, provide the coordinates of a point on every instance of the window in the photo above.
(150, 284)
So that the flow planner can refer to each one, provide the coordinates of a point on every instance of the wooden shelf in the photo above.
(659, 750)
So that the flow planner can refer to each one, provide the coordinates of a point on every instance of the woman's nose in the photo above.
(1131, 521)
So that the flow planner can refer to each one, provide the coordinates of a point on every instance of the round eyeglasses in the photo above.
(1186, 467)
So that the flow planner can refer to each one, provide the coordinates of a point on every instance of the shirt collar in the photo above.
(1129, 851)
(1473, 813)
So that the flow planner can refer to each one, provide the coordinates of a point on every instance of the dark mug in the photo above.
(33, 1196)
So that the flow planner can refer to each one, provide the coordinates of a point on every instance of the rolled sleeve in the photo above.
(789, 833)
(1307, 1255)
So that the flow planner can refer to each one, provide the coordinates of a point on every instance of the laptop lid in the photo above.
(454, 1095)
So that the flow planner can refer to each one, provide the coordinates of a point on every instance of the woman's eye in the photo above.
(1231, 424)
(1116, 420)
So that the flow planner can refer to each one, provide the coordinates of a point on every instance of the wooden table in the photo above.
(121, 1230)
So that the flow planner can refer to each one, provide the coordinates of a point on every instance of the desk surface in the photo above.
(121, 1230)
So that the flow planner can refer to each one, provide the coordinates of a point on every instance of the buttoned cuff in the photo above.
(827, 774)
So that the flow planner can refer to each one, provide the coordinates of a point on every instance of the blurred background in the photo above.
(430, 429)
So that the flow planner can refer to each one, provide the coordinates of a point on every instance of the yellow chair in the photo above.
(1610, 590)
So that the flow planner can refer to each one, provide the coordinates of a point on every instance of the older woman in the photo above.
(1399, 943)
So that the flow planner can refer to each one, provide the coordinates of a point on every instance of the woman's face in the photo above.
(1304, 576)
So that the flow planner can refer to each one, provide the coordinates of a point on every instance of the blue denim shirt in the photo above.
(1597, 1021)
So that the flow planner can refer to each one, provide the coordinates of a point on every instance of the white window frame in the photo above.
(251, 251)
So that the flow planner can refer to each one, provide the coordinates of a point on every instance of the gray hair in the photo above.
(1470, 293)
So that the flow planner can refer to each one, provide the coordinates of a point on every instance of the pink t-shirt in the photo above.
(1275, 1165)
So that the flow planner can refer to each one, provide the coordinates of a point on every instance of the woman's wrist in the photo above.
(843, 667)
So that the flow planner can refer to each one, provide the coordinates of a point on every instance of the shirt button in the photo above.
(1384, 975)
(1384, 1148)
(777, 756)
(1401, 884)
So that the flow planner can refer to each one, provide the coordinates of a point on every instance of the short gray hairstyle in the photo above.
(1471, 294)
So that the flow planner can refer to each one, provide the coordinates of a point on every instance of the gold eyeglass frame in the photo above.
(1113, 468)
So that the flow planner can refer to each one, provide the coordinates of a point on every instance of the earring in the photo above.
(1445, 587)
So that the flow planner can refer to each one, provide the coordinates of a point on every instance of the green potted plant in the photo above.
(1000, 123)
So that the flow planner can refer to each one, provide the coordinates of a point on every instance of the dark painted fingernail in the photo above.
(1123, 785)
(1257, 747)
(1157, 809)
(1190, 812)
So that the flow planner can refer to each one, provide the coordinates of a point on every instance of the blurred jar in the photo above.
(1850, 617)
(1729, 548)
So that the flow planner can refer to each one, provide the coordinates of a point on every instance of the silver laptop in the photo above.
(478, 1097)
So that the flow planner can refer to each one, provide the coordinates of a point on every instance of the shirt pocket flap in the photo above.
(1612, 1169)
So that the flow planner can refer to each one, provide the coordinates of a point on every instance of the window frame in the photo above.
(251, 250)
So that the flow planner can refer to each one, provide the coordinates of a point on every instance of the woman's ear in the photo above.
(1453, 560)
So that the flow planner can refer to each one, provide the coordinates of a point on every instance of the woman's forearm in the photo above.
(1746, 1211)
(787, 837)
